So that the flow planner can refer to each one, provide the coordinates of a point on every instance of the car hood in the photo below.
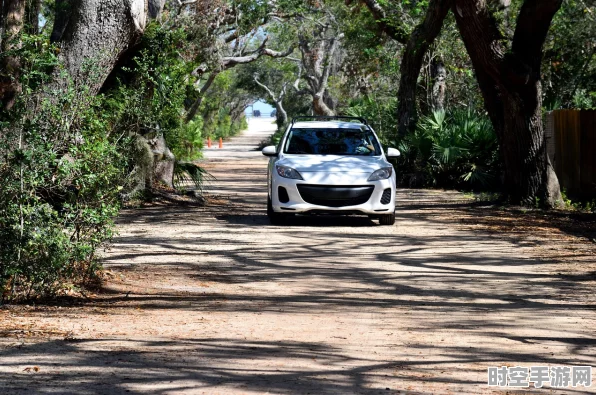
(334, 163)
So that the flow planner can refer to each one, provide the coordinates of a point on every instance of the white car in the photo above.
(334, 165)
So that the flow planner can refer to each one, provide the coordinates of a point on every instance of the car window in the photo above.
(315, 141)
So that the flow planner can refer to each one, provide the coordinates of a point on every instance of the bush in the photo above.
(187, 140)
(380, 114)
(220, 124)
(61, 170)
(456, 150)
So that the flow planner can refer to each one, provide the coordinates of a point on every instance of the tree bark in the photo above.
(320, 107)
(155, 8)
(13, 22)
(418, 43)
(380, 15)
(192, 112)
(163, 160)
(511, 87)
(438, 78)
(280, 113)
(92, 34)
(317, 61)
(61, 17)
(33, 11)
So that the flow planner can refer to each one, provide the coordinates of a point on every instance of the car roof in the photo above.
(327, 125)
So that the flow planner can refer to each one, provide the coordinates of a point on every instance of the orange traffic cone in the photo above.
(220, 142)
(209, 142)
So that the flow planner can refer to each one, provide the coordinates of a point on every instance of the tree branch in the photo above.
(192, 112)
(531, 29)
(328, 64)
(269, 92)
(378, 12)
(417, 45)
(231, 61)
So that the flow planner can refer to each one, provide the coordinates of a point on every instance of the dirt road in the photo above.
(214, 300)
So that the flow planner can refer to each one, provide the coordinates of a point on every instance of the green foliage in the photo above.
(582, 205)
(450, 150)
(222, 110)
(569, 63)
(149, 96)
(61, 176)
(187, 140)
(187, 172)
(380, 114)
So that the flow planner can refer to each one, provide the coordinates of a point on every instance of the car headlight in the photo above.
(288, 172)
(381, 174)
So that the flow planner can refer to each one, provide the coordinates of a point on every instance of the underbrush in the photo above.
(61, 178)
(450, 150)
(579, 205)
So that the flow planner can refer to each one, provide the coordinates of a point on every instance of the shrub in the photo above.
(61, 171)
(380, 113)
(456, 150)
(187, 140)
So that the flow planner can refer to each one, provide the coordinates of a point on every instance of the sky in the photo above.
(261, 106)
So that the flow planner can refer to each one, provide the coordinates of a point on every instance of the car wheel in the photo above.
(387, 219)
(274, 218)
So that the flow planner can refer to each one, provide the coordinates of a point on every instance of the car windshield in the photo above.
(314, 141)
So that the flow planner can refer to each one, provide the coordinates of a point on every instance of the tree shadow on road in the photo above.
(506, 304)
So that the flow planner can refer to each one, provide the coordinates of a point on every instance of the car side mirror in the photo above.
(393, 153)
(270, 151)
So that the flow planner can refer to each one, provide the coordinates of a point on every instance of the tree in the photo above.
(438, 75)
(240, 57)
(509, 77)
(319, 49)
(510, 82)
(95, 32)
(281, 114)
(12, 18)
(416, 46)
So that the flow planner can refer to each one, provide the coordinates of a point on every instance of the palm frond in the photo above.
(186, 173)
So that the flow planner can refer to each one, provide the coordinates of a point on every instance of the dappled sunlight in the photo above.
(214, 299)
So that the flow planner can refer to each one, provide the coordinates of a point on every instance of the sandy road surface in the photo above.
(214, 300)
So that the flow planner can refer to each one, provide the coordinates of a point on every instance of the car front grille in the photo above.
(335, 196)
(386, 198)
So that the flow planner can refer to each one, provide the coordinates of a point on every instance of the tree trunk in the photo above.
(163, 160)
(92, 34)
(33, 11)
(13, 21)
(155, 8)
(192, 112)
(421, 38)
(512, 91)
(320, 107)
(62, 13)
(438, 76)
(281, 115)
(529, 176)
(318, 58)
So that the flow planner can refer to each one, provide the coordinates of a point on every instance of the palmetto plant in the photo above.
(457, 149)
(188, 172)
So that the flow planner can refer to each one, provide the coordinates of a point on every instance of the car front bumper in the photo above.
(306, 197)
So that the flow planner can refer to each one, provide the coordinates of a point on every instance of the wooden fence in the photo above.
(571, 145)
